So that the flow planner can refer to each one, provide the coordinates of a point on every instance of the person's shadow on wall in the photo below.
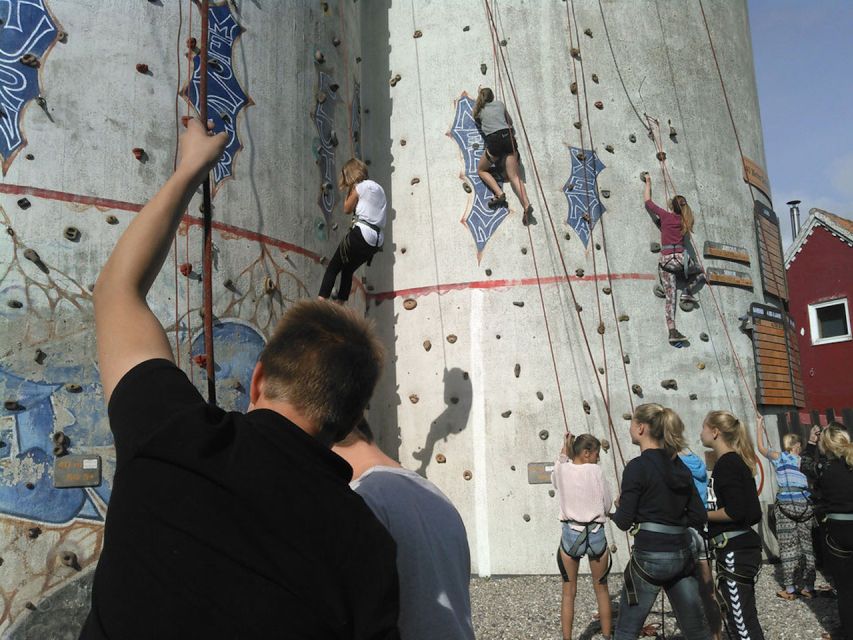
(454, 418)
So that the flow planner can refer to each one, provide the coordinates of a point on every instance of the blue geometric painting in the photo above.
(26, 28)
(225, 96)
(324, 145)
(481, 220)
(581, 192)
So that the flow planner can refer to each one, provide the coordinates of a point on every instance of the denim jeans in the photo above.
(675, 570)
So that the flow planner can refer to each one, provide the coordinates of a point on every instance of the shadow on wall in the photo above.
(454, 418)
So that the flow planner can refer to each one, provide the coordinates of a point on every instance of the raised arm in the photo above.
(761, 441)
(351, 200)
(128, 333)
(647, 188)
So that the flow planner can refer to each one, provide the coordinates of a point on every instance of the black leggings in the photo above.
(837, 538)
(736, 573)
(352, 252)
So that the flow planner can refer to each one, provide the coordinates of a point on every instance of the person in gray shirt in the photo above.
(501, 154)
(433, 559)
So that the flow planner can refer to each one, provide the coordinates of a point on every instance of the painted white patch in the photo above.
(478, 428)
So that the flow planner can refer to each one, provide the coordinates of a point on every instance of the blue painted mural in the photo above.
(225, 96)
(481, 221)
(325, 144)
(27, 32)
(582, 193)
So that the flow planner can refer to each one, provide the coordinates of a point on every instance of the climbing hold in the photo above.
(574, 88)
(59, 450)
(24, 204)
(704, 337)
(34, 257)
(269, 285)
(524, 251)
(626, 416)
(402, 142)
(69, 559)
(488, 272)
(336, 41)
(595, 78)
(413, 398)
(567, 236)
(605, 445)
(578, 125)
(518, 303)
(483, 68)
(186, 269)
(451, 338)
(601, 370)
(551, 493)
(598, 246)
(498, 336)
(693, 396)
(540, 395)
(578, 307)
(138, 153)
(613, 548)
(605, 193)
(30, 60)
(517, 370)
(599, 105)
(454, 400)
(669, 383)
(13, 405)
(15, 304)
(72, 234)
(418, 34)
(142, 68)
(393, 83)
(632, 138)
(543, 435)
(579, 273)
(586, 408)
(111, 219)
(201, 360)
(576, 53)
(30, 606)
(502, 43)
(700, 365)
(588, 32)
(672, 132)
(506, 414)
(637, 390)
(358, 59)
(581, 156)
(40, 101)
(661, 155)
(228, 284)
(319, 57)
(467, 474)
(526, 517)
(59, 437)
(409, 304)
(403, 250)
(192, 43)
(62, 36)
(40, 356)
(626, 359)
(609, 148)
(29, 156)
(466, 187)
(601, 328)
(72, 387)
(654, 247)
(466, 28)
(440, 459)
(33, 533)
(643, 175)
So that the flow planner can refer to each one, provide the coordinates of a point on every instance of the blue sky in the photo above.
(804, 68)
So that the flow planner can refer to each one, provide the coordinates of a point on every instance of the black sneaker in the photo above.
(676, 337)
(497, 201)
(528, 215)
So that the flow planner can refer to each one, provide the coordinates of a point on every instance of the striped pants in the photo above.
(795, 541)
(736, 573)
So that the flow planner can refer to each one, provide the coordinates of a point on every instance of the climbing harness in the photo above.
(656, 527)
(634, 567)
(720, 541)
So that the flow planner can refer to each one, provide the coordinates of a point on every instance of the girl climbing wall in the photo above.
(366, 200)
(501, 151)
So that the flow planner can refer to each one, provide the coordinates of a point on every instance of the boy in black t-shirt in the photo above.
(225, 525)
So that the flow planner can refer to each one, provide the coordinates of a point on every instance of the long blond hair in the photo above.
(735, 435)
(680, 207)
(835, 443)
(665, 426)
(353, 172)
(484, 96)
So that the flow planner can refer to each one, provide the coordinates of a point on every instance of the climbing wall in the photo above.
(504, 335)
(88, 124)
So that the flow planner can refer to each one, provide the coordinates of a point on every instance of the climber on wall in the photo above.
(501, 151)
(365, 200)
(676, 226)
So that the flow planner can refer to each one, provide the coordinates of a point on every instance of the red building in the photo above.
(819, 265)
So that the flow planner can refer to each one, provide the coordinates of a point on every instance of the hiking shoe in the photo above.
(675, 336)
(497, 201)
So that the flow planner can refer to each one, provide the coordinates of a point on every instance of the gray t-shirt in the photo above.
(433, 560)
(493, 117)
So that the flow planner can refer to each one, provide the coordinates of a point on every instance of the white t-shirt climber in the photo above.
(371, 207)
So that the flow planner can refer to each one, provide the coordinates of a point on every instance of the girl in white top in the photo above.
(585, 501)
(366, 200)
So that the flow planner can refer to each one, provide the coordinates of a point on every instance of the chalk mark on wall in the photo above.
(326, 142)
(225, 96)
(27, 28)
(481, 221)
(581, 192)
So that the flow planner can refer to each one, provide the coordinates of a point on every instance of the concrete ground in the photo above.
(528, 607)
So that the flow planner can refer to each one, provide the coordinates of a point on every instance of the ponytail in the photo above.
(735, 435)
(665, 426)
(484, 96)
(835, 443)
(583, 442)
(680, 206)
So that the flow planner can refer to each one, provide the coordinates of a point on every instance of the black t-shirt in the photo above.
(658, 488)
(732, 487)
(225, 525)
(835, 485)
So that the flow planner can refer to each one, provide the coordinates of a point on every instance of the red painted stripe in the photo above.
(498, 284)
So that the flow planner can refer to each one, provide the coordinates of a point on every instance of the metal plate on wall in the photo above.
(77, 471)
(539, 472)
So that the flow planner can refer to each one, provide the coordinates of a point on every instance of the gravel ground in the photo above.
(512, 608)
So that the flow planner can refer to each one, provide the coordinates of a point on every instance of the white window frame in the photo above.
(814, 324)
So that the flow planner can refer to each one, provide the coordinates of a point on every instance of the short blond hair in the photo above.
(790, 440)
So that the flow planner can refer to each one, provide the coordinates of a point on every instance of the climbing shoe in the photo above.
(659, 291)
(497, 201)
(528, 215)
(675, 337)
